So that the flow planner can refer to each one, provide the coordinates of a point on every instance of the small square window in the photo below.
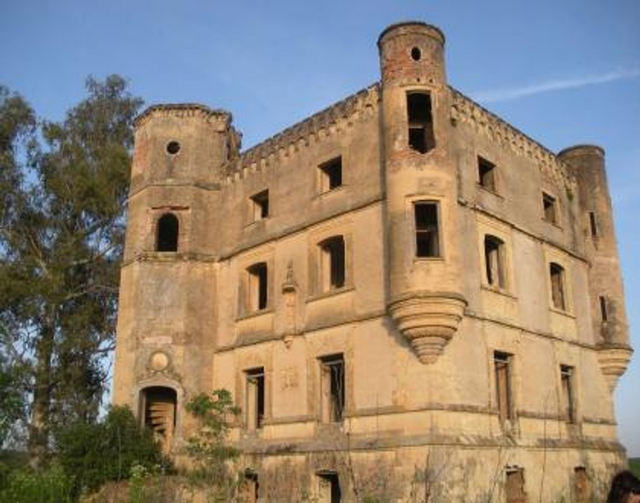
(331, 174)
(550, 208)
(260, 206)
(486, 174)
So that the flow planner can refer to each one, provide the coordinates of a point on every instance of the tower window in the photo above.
(604, 308)
(260, 205)
(550, 208)
(556, 276)
(330, 174)
(426, 228)
(332, 388)
(167, 233)
(416, 54)
(332, 263)
(494, 261)
(486, 174)
(255, 398)
(593, 224)
(420, 122)
(502, 369)
(566, 381)
(173, 147)
(258, 291)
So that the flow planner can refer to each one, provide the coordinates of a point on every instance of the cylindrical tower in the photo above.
(166, 322)
(425, 300)
(586, 163)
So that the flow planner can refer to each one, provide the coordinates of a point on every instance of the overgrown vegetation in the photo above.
(208, 448)
(86, 456)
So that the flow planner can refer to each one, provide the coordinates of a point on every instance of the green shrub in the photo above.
(24, 485)
(634, 466)
(95, 453)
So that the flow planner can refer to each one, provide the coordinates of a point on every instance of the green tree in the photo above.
(61, 232)
(208, 449)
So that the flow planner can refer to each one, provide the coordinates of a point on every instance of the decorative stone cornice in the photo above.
(466, 111)
(184, 110)
(318, 127)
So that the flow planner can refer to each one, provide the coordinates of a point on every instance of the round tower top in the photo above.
(411, 28)
(581, 151)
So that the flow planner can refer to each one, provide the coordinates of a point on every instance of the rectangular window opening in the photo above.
(331, 174)
(550, 209)
(329, 487)
(566, 378)
(332, 388)
(426, 228)
(420, 122)
(604, 308)
(502, 369)
(260, 205)
(333, 263)
(486, 174)
(593, 224)
(556, 273)
(258, 291)
(494, 261)
(255, 398)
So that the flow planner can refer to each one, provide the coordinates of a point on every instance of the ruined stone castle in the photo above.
(408, 298)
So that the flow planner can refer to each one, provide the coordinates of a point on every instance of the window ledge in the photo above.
(489, 191)
(428, 259)
(255, 314)
(326, 193)
(330, 293)
(562, 312)
(497, 290)
(554, 224)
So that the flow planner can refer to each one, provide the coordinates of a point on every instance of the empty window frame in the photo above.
(557, 280)
(260, 205)
(255, 394)
(549, 208)
(494, 251)
(593, 224)
(332, 263)
(330, 174)
(329, 487)
(258, 291)
(420, 122)
(167, 231)
(332, 388)
(502, 364)
(158, 413)
(427, 229)
(604, 308)
(567, 389)
(486, 174)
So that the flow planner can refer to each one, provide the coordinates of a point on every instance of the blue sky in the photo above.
(564, 72)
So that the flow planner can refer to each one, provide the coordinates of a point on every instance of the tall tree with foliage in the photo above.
(64, 189)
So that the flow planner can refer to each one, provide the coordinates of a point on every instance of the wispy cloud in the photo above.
(508, 94)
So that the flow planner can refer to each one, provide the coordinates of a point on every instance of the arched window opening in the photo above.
(158, 413)
(167, 233)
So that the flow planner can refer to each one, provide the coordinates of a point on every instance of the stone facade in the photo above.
(408, 298)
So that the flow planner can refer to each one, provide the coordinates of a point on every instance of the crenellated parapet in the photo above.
(305, 134)
(466, 111)
(185, 111)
